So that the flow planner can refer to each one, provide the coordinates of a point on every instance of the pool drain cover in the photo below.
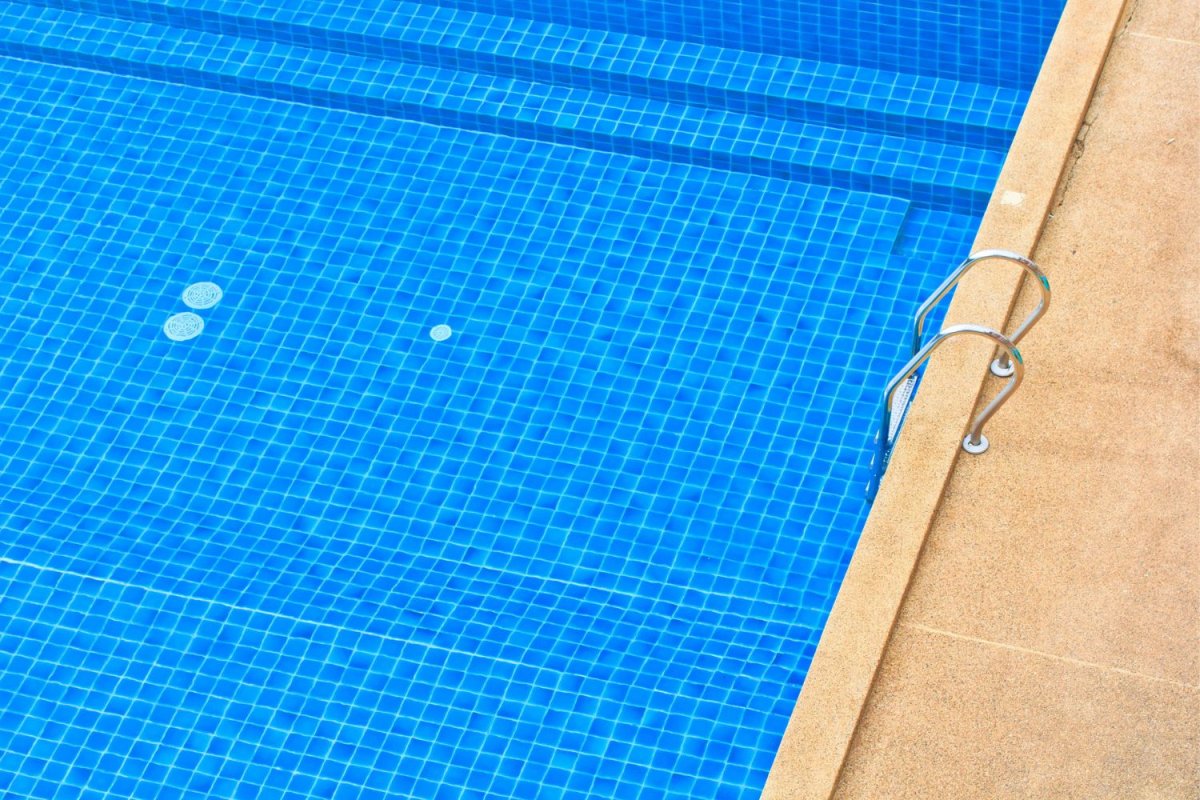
(181, 327)
(202, 295)
(440, 333)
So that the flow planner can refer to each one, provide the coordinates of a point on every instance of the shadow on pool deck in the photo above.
(1049, 642)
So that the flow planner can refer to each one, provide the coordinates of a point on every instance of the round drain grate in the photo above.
(181, 327)
(440, 333)
(202, 295)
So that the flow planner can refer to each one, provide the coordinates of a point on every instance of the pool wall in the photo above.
(999, 42)
(992, 42)
(822, 727)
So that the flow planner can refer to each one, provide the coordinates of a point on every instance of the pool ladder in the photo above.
(899, 392)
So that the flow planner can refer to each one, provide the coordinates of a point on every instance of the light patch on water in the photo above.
(205, 294)
(181, 327)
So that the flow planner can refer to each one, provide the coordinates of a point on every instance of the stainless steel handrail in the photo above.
(1001, 366)
(974, 442)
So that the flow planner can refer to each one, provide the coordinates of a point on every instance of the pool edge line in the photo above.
(821, 729)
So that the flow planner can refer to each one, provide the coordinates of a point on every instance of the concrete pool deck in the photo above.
(1029, 624)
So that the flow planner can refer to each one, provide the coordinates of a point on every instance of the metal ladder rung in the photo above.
(1000, 367)
(898, 395)
(900, 402)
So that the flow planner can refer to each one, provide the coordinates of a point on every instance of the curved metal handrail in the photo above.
(974, 442)
(1002, 366)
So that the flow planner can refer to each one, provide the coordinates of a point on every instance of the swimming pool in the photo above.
(581, 546)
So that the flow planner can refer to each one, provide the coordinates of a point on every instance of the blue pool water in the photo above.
(582, 548)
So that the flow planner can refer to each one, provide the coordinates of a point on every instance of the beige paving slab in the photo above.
(1123, 251)
(1071, 558)
(1049, 643)
(836, 688)
(1085, 415)
(962, 719)
(1146, 299)
(1079, 534)
(1178, 19)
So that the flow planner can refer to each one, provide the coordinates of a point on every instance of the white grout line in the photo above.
(1028, 651)
(248, 609)
(303, 621)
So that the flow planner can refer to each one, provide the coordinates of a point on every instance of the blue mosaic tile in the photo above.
(525, 450)
(110, 688)
(929, 173)
(637, 398)
(579, 305)
(935, 235)
(993, 42)
(797, 90)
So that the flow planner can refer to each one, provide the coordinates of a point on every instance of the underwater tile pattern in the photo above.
(825, 93)
(930, 174)
(126, 692)
(581, 547)
(993, 42)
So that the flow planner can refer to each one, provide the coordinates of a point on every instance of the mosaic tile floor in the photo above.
(580, 545)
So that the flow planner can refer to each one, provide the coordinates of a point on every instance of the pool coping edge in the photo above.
(821, 729)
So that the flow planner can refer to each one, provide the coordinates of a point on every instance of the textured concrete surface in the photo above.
(981, 722)
(820, 731)
(1169, 19)
(1049, 642)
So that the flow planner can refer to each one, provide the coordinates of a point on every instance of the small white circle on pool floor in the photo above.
(205, 294)
(440, 333)
(181, 327)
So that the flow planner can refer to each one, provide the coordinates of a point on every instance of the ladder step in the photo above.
(900, 403)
